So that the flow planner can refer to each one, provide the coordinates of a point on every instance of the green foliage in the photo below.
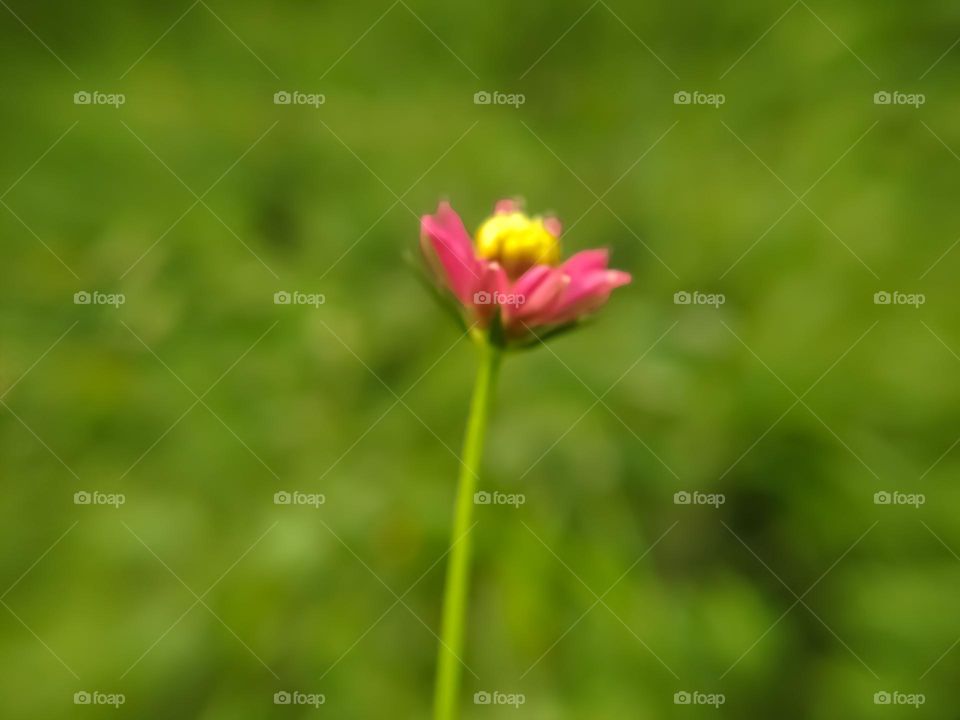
(199, 398)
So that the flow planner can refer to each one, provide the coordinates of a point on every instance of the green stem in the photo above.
(450, 649)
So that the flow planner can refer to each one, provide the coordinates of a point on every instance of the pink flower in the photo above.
(515, 267)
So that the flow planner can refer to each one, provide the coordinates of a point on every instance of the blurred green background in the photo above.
(199, 398)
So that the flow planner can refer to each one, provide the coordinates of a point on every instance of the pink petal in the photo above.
(536, 291)
(493, 283)
(450, 241)
(493, 286)
(587, 295)
(525, 285)
(553, 226)
(527, 282)
(507, 205)
(585, 261)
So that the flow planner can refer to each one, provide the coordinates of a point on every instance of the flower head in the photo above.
(514, 271)
(518, 242)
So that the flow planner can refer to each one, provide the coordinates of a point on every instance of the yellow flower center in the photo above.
(517, 242)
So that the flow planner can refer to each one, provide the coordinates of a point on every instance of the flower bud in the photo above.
(518, 242)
